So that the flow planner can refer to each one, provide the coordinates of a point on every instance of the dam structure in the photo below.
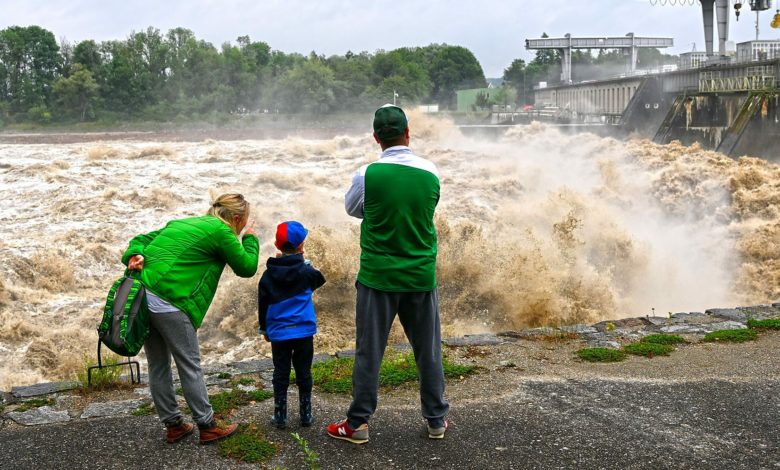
(725, 100)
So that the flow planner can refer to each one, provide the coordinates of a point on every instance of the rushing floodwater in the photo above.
(537, 228)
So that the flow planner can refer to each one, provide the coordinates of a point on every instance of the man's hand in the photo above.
(136, 263)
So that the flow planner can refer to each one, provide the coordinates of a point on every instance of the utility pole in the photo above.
(395, 95)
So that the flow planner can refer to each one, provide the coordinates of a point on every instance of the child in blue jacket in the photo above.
(287, 319)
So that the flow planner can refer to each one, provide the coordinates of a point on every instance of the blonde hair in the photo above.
(227, 206)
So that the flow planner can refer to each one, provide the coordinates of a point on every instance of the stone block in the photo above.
(728, 314)
(725, 325)
(111, 408)
(38, 416)
(43, 389)
(473, 340)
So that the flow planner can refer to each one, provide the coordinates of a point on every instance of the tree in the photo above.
(454, 68)
(31, 60)
(75, 95)
(308, 87)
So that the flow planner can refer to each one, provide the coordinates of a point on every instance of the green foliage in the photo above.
(664, 339)
(309, 456)
(180, 391)
(35, 403)
(104, 378)
(146, 409)
(772, 324)
(733, 336)
(225, 402)
(223, 375)
(335, 376)
(248, 444)
(601, 355)
(243, 381)
(648, 349)
(175, 76)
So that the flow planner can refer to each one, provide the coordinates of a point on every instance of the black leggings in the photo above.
(298, 351)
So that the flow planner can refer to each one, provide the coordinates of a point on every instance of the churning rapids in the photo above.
(536, 228)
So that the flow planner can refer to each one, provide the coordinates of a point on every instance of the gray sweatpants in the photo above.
(172, 334)
(419, 316)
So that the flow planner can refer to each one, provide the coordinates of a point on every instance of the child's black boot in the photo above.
(280, 412)
(305, 409)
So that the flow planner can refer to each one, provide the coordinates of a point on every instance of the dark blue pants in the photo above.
(299, 352)
(419, 315)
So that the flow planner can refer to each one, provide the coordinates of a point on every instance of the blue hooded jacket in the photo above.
(285, 307)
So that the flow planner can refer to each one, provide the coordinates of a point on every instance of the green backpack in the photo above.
(125, 324)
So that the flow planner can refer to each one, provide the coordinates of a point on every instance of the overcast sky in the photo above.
(493, 30)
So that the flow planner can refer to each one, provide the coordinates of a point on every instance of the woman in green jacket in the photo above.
(180, 266)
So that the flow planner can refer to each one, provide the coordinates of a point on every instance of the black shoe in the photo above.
(305, 410)
(279, 418)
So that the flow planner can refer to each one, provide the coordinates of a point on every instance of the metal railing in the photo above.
(711, 82)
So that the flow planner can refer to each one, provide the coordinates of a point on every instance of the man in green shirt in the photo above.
(396, 197)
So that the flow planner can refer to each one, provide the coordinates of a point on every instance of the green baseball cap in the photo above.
(389, 122)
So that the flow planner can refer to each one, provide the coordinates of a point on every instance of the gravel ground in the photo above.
(532, 405)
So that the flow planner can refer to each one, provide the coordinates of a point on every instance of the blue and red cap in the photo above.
(290, 235)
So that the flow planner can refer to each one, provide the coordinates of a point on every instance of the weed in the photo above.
(664, 339)
(601, 355)
(223, 375)
(248, 444)
(773, 324)
(243, 381)
(734, 336)
(335, 376)
(102, 379)
(180, 391)
(309, 456)
(35, 403)
(648, 349)
(144, 410)
(225, 402)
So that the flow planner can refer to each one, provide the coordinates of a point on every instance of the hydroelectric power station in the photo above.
(727, 101)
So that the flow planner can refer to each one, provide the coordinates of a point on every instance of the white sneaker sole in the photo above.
(345, 438)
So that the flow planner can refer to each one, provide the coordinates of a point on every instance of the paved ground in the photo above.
(691, 410)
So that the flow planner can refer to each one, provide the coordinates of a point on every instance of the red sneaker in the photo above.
(342, 430)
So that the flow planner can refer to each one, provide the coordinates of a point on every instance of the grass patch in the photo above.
(248, 444)
(648, 349)
(35, 403)
(104, 378)
(223, 375)
(732, 336)
(664, 339)
(144, 410)
(243, 381)
(601, 355)
(180, 391)
(227, 401)
(764, 324)
(335, 376)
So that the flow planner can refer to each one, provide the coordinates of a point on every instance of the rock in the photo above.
(579, 329)
(321, 358)
(728, 314)
(255, 365)
(725, 325)
(658, 321)
(473, 340)
(43, 389)
(529, 332)
(600, 343)
(37, 416)
(246, 388)
(683, 317)
(145, 392)
(217, 368)
(215, 380)
(111, 408)
(629, 323)
(346, 353)
(683, 329)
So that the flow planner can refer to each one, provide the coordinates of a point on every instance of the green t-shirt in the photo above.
(397, 236)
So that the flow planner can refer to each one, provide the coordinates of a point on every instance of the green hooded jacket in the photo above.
(184, 261)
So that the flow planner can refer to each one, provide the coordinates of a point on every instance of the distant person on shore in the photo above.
(287, 319)
(396, 197)
(180, 266)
